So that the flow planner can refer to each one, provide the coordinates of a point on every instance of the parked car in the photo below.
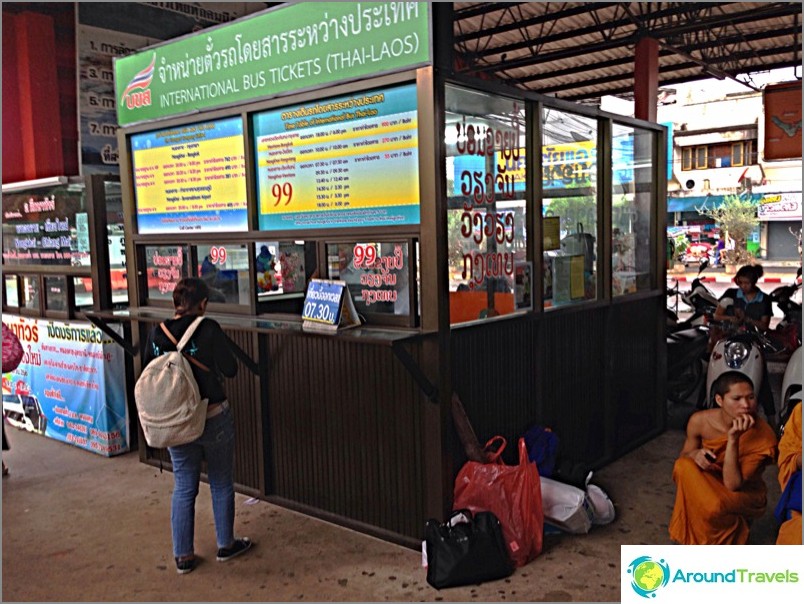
(24, 411)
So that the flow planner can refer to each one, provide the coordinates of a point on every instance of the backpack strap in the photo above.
(184, 340)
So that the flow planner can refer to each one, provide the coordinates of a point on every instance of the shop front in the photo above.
(496, 244)
(63, 253)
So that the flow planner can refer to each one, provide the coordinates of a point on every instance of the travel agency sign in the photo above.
(293, 47)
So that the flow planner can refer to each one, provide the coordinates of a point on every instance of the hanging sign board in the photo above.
(292, 47)
(328, 306)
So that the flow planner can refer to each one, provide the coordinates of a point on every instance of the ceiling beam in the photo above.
(547, 17)
(701, 25)
(583, 96)
(576, 69)
(617, 77)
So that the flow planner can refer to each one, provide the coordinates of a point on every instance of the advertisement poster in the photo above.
(108, 30)
(191, 178)
(318, 163)
(70, 385)
(96, 103)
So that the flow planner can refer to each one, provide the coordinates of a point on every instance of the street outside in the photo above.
(717, 281)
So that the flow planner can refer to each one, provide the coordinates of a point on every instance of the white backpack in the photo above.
(169, 403)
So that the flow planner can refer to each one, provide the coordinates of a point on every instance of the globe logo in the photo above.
(648, 575)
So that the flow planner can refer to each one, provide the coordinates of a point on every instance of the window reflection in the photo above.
(165, 266)
(377, 275)
(569, 208)
(632, 169)
(486, 216)
(224, 268)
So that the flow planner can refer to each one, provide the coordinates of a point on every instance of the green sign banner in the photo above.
(290, 48)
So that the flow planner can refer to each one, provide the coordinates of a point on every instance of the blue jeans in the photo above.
(216, 445)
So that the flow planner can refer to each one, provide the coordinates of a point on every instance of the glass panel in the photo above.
(12, 298)
(686, 159)
(700, 158)
(737, 154)
(56, 293)
(30, 291)
(317, 162)
(83, 292)
(117, 243)
(486, 215)
(569, 180)
(225, 270)
(632, 204)
(281, 267)
(46, 226)
(165, 267)
(377, 275)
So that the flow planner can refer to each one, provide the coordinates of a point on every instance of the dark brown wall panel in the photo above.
(345, 434)
(591, 376)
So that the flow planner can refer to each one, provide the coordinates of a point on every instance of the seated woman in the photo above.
(745, 304)
(719, 486)
(789, 510)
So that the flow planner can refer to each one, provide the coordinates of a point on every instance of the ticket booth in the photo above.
(64, 254)
(497, 244)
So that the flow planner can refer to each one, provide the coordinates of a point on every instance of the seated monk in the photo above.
(789, 472)
(718, 475)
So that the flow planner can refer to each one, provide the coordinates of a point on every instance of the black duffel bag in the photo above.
(466, 550)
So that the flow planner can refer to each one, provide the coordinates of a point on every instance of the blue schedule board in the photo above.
(324, 301)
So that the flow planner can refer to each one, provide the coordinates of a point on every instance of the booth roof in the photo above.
(581, 51)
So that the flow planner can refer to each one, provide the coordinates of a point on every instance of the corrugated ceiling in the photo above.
(580, 51)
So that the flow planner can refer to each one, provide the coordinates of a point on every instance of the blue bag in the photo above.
(542, 445)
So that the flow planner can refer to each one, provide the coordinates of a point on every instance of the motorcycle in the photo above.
(787, 333)
(698, 297)
(742, 349)
(791, 387)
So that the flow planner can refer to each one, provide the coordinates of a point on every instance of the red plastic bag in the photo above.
(12, 350)
(512, 493)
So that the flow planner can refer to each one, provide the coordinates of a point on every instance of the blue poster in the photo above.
(70, 385)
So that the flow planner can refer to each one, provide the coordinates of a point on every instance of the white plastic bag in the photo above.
(566, 507)
(574, 510)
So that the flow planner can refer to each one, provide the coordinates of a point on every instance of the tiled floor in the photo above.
(79, 527)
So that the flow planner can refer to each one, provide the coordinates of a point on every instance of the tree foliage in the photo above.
(737, 217)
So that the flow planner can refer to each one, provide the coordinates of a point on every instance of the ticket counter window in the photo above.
(569, 208)
(56, 293)
(224, 268)
(632, 183)
(11, 295)
(377, 275)
(30, 292)
(165, 267)
(83, 292)
(486, 211)
(282, 267)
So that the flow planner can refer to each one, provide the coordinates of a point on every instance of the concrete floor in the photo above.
(79, 527)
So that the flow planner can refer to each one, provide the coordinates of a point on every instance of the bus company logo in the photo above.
(648, 575)
(137, 94)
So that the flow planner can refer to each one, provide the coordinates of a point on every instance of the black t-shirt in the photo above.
(755, 309)
(208, 345)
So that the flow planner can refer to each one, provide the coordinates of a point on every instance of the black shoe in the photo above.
(185, 566)
(238, 547)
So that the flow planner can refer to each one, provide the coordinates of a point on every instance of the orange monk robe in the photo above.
(706, 512)
(789, 448)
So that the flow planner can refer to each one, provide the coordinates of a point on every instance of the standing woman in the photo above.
(209, 347)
